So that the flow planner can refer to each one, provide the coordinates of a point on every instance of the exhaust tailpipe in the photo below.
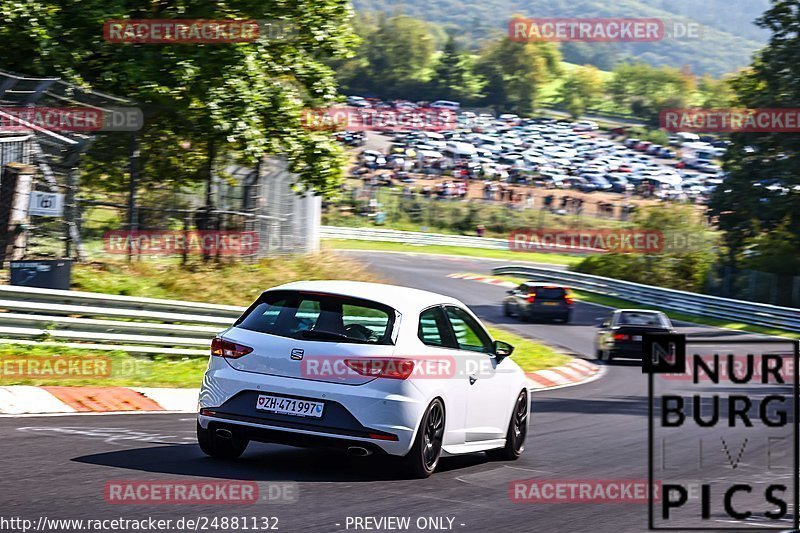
(224, 433)
(358, 451)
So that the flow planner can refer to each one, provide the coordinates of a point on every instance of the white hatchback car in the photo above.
(365, 367)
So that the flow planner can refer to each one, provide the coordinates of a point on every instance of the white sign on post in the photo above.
(46, 204)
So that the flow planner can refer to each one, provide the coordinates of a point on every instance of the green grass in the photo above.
(619, 303)
(234, 283)
(554, 259)
(528, 354)
(103, 368)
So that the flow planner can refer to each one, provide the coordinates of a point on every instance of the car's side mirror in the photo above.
(511, 291)
(601, 323)
(502, 350)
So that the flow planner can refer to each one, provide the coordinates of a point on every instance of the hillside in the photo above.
(728, 42)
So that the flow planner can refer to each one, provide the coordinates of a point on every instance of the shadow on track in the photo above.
(267, 462)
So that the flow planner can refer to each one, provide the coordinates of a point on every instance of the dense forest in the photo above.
(728, 41)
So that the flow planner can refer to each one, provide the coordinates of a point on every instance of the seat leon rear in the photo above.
(364, 367)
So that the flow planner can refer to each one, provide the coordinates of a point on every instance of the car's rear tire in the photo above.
(218, 447)
(423, 458)
(507, 309)
(517, 431)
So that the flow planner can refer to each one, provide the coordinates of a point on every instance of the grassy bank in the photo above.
(554, 259)
(232, 284)
(36, 365)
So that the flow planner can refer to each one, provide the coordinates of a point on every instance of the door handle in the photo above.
(472, 380)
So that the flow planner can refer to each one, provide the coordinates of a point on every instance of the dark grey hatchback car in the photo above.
(543, 301)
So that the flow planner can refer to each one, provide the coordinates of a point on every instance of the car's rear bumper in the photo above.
(548, 312)
(632, 350)
(383, 413)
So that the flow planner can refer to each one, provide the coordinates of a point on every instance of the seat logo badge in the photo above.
(297, 354)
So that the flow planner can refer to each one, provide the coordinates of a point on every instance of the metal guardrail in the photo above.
(412, 237)
(80, 320)
(419, 238)
(766, 315)
(110, 322)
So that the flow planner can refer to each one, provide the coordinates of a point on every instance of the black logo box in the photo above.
(666, 353)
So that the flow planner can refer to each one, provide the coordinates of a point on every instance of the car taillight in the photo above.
(228, 349)
(621, 337)
(568, 297)
(384, 367)
(531, 297)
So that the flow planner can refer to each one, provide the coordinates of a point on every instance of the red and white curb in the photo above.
(576, 372)
(484, 279)
(19, 400)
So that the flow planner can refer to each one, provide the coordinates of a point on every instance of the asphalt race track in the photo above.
(57, 467)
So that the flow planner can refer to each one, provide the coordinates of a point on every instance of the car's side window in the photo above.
(433, 328)
(469, 333)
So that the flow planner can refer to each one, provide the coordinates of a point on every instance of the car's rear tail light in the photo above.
(382, 436)
(531, 297)
(228, 349)
(568, 297)
(384, 367)
(621, 337)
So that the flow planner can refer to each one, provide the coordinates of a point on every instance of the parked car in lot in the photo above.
(366, 368)
(653, 149)
(446, 104)
(585, 125)
(631, 142)
(532, 300)
(620, 335)
(619, 183)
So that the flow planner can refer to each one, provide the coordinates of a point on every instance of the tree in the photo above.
(454, 78)
(764, 169)
(645, 90)
(515, 73)
(201, 102)
(715, 93)
(582, 89)
(678, 266)
(399, 57)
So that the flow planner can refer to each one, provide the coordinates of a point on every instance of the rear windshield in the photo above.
(549, 293)
(641, 319)
(320, 317)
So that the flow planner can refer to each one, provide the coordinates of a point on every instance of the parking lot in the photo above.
(544, 153)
